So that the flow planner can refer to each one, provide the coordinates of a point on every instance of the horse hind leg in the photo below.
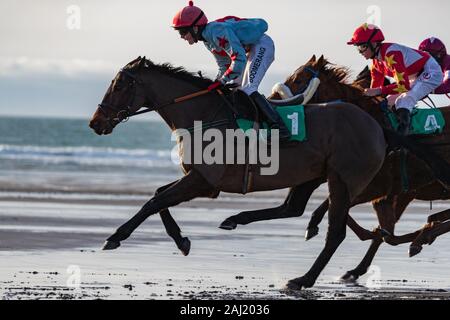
(428, 236)
(397, 204)
(440, 216)
(293, 206)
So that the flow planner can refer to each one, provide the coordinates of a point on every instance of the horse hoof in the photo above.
(185, 247)
(349, 278)
(111, 245)
(298, 284)
(311, 233)
(228, 225)
(414, 250)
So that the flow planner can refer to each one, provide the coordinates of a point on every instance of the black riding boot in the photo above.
(272, 117)
(404, 118)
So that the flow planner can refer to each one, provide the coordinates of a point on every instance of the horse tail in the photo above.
(439, 167)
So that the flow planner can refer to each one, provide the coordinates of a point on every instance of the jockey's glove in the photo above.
(216, 85)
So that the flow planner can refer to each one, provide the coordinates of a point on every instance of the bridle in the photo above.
(315, 74)
(123, 114)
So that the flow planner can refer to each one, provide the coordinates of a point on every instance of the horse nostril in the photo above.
(94, 125)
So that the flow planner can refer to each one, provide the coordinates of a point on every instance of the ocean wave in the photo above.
(87, 155)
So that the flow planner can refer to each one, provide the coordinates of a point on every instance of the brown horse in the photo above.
(386, 189)
(337, 137)
(396, 204)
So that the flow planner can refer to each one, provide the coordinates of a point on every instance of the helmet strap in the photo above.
(374, 48)
(197, 35)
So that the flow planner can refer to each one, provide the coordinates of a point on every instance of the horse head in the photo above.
(334, 85)
(332, 79)
(125, 95)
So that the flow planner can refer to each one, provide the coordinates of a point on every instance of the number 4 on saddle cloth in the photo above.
(423, 121)
(293, 117)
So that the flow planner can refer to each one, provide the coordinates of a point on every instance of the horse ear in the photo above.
(142, 62)
(313, 59)
(321, 62)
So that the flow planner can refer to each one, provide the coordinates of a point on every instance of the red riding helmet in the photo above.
(189, 16)
(365, 34)
(433, 46)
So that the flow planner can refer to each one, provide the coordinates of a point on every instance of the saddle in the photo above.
(248, 116)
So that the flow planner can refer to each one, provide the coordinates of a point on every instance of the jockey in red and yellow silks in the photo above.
(416, 73)
(243, 52)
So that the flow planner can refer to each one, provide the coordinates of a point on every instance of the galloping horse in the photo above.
(346, 147)
(386, 190)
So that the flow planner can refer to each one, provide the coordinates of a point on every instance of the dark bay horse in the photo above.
(386, 189)
(345, 147)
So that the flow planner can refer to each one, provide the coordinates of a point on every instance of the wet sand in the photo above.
(46, 242)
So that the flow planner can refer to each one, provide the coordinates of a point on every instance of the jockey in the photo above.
(416, 73)
(437, 49)
(242, 51)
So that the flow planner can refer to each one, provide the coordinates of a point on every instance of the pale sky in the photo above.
(48, 69)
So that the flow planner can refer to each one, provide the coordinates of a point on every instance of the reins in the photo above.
(123, 115)
(171, 102)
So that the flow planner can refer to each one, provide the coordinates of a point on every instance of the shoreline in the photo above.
(41, 238)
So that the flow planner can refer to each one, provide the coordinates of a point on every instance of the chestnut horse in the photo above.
(337, 137)
(386, 190)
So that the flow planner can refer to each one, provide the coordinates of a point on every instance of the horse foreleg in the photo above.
(191, 186)
(428, 236)
(172, 228)
(337, 218)
(293, 206)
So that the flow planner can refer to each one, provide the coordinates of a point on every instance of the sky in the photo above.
(58, 57)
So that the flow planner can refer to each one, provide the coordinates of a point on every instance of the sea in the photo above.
(47, 157)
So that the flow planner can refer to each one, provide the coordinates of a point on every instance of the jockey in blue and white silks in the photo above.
(243, 52)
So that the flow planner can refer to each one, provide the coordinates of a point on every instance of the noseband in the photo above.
(315, 74)
(124, 114)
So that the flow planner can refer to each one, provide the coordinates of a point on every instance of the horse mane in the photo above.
(334, 72)
(170, 70)
(341, 75)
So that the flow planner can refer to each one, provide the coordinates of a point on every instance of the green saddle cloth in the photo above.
(293, 117)
(423, 121)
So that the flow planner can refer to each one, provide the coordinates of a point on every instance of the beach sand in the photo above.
(50, 249)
